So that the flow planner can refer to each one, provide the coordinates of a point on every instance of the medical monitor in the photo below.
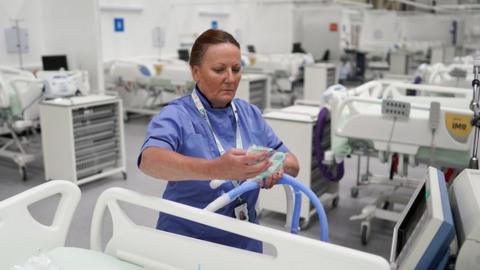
(183, 54)
(54, 62)
(422, 236)
(251, 49)
(297, 48)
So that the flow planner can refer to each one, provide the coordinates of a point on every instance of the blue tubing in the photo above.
(296, 211)
(244, 187)
(297, 186)
(322, 217)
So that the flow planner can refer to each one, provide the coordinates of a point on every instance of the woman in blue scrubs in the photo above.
(204, 136)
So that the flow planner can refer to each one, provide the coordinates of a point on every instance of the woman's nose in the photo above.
(229, 75)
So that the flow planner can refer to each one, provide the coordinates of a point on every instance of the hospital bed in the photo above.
(438, 229)
(286, 71)
(393, 114)
(454, 75)
(133, 246)
(20, 92)
(431, 128)
(147, 84)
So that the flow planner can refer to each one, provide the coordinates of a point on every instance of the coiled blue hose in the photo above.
(322, 217)
(296, 211)
(297, 187)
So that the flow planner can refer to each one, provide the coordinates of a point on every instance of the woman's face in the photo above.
(219, 73)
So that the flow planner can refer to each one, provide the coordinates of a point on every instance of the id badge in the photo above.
(241, 212)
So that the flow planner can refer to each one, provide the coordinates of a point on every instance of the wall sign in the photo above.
(118, 24)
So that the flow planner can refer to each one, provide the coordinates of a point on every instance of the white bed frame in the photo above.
(357, 114)
(153, 249)
(360, 111)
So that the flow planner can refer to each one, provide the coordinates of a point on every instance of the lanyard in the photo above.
(204, 115)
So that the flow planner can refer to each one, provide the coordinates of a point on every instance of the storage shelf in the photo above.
(83, 139)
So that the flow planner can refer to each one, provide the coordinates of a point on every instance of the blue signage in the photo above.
(214, 24)
(118, 24)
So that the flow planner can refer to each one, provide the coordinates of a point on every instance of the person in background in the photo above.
(204, 136)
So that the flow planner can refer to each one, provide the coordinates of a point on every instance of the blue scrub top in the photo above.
(179, 127)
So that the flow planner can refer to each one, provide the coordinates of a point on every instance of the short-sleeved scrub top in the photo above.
(180, 127)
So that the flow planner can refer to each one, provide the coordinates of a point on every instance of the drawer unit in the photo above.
(83, 138)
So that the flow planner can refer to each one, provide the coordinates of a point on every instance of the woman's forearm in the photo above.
(171, 166)
(168, 165)
(290, 165)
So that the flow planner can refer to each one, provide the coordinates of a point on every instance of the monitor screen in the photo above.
(54, 62)
(422, 236)
(411, 219)
(183, 54)
(297, 48)
(251, 49)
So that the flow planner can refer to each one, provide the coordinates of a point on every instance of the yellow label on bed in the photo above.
(458, 126)
(158, 69)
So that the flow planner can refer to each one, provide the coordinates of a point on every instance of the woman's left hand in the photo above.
(271, 180)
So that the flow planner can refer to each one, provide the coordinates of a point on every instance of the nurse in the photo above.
(204, 136)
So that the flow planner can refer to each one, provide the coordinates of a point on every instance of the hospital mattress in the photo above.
(342, 147)
(70, 258)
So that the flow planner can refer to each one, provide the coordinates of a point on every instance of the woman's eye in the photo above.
(218, 70)
(236, 70)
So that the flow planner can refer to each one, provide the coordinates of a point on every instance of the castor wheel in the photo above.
(386, 205)
(365, 230)
(124, 174)
(335, 202)
(354, 192)
(23, 173)
(304, 224)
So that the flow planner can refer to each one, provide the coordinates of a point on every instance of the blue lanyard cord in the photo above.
(203, 112)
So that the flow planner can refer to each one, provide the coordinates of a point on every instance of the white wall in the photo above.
(380, 30)
(56, 27)
(72, 28)
(85, 33)
(316, 35)
(268, 26)
(31, 14)
(426, 27)
(471, 30)
(136, 40)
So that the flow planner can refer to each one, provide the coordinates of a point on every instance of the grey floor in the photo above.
(342, 231)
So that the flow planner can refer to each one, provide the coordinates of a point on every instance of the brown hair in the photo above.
(207, 38)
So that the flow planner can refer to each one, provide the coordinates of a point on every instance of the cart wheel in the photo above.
(23, 173)
(335, 202)
(124, 174)
(386, 205)
(365, 229)
(354, 192)
(304, 224)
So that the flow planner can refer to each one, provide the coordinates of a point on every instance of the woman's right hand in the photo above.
(235, 164)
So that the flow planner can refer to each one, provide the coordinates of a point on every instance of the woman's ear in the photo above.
(196, 73)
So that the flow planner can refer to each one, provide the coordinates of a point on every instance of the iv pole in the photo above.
(475, 107)
(19, 41)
